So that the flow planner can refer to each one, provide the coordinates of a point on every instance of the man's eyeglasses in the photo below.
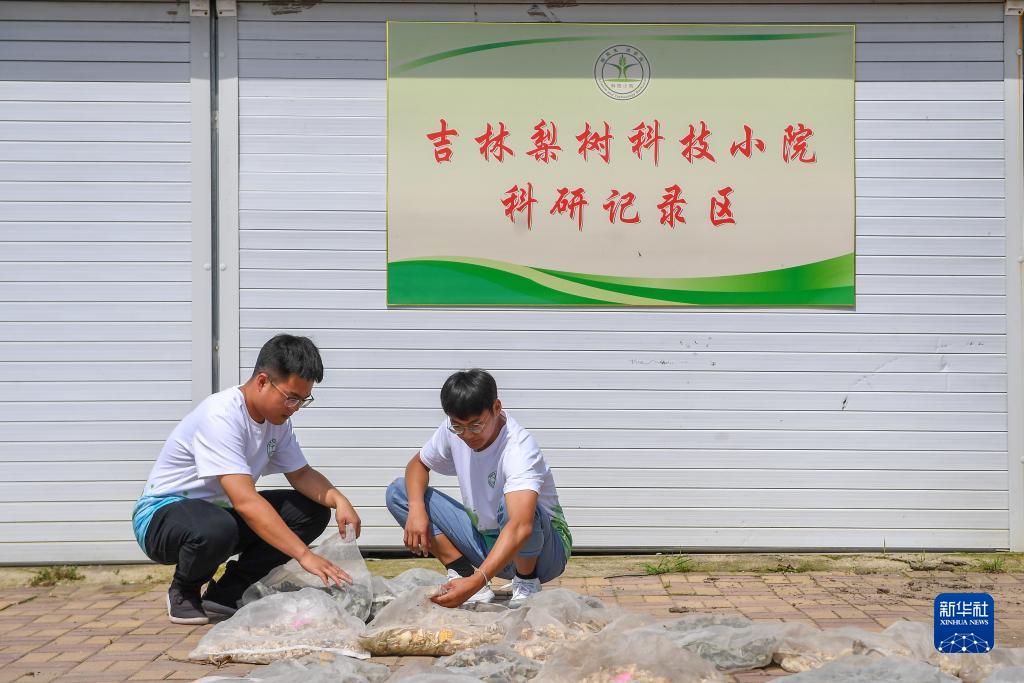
(291, 401)
(474, 428)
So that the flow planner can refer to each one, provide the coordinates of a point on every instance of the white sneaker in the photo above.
(485, 594)
(522, 589)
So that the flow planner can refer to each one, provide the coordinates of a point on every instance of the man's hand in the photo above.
(417, 533)
(315, 486)
(456, 592)
(322, 567)
(346, 514)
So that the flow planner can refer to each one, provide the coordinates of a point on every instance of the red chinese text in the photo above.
(592, 141)
(646, 137)
(721, 209)
(744, 146)
(571, 202)
(671, 206)
(617, 205)
(794, 144)
(519, 200)
(545, 137)
(442, 142)
(493, 144)
(695, 145)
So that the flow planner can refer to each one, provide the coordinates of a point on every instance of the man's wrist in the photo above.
(335, 499)
(482, 574)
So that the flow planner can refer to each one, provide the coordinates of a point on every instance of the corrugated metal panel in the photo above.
(763, 428)
(709, 428)
(95, 265)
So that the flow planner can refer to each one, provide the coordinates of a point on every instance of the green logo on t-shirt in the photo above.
(271, 448)
(491, 478)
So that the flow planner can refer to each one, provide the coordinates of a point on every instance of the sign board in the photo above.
(635, 165)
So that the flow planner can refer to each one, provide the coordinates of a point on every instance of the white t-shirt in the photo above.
(220, 437)
(513, 462)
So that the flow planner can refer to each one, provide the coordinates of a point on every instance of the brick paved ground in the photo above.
(120, 633)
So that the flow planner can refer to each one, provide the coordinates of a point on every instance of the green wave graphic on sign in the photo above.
(453, 281)
(470, 49)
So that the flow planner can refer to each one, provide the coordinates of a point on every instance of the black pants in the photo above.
(198, 536)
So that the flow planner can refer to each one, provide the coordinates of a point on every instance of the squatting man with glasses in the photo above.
(200, 505)
(509, 523)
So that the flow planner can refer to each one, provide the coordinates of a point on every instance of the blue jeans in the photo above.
(448, 517)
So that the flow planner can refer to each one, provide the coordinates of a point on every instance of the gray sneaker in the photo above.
(218, 608)
(218, 601)
(184, 607)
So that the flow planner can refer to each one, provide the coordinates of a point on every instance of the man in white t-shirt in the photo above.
(200, 505)
(509, 523)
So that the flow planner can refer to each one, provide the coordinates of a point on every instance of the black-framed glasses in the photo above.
(291, 401)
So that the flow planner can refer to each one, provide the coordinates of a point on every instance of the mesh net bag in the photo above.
(633, 656)
(356, 599)
(386, 590)
(1013, 674)
(976, 668)
(557, 616)
(281, 626)
(413, 625)
(803, 647)
(492, 664)
(869, 669)
(313, 669)
(420, 676)
(730, 647)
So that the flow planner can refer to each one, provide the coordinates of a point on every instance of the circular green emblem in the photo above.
(622, 72)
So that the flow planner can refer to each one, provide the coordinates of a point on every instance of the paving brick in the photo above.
(50, 618)
(76, 656)
(849, 613)
(40, 667)
(90, 667)
(51, 633)
(182, 675)
(37, 676)
(713, 602)
(126, 667)
(121, 634)
(54, 646)
(36, 657)
(147, 630)
(147, 675)
(120, 646)
(102, 677)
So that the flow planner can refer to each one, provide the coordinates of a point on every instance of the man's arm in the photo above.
(315, 486)
(263, 519)
(417, 526)
(521, 507)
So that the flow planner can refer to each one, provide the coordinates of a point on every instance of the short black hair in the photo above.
(286, 355)
(467, 393)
